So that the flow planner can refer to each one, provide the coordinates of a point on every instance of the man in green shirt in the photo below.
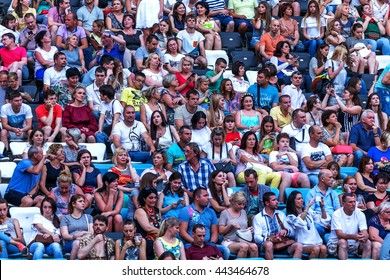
(216, 76)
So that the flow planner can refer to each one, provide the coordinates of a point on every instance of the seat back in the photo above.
(303, 191)
(304, 62)
(7, 169)
(25, 216)
(231, 41)
(17, 148)
(246, 57)
(32, 90)
(97, 150)
(213, 55)
(3, 188)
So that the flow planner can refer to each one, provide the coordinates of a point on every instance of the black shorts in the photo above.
(14, 197)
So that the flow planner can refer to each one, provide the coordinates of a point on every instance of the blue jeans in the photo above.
(312, 45)
(313, 178)
(384, 97)
(382, 43)
(101, 138)
(25, 73)
(7, 247)
(143, 157)
(357, 155)
(38, 249)
(42, 19)
(385, 250)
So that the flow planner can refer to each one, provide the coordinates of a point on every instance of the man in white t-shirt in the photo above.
(93, 93)
(349, 231)
(16, 119)
(315, 155)
(298, 130)
(128, 134)
(57, 73)
(191, 42)
(110, 114)
(298, 99)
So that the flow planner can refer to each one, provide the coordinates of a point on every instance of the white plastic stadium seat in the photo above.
(7, 169)
(25, 216)
(97, 150)
(212, 56)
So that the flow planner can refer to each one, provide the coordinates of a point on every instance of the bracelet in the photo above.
(376, 135)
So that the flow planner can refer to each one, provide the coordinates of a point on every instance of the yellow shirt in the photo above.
(21, 20)
(277, 115)
(133, 97)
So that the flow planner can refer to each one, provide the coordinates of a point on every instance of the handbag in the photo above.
(258, 166)
(281, 242)
(372, 36)
(244, 235)
(45, 241)
(225, 167)
(342, 149)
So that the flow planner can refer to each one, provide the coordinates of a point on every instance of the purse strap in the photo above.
(280, 222)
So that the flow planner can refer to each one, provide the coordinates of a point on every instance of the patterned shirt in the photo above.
(193, 179)
(109, 248)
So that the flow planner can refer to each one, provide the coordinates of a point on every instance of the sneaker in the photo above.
(21, 247)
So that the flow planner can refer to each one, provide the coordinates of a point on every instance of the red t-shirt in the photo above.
(41, 112)
(232, 136)
(10, 57)
(181, 81)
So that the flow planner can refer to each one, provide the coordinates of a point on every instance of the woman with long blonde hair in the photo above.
(167, 240)
(215, 113)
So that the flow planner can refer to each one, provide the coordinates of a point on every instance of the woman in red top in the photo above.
(77, 115)
(185, 76)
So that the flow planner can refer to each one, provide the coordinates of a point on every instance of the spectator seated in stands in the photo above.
(23, 188)
(151, 46)
(14, 87)
(77, 115)
(87, 14)
(110, 48)
(109, 201)
(87, 176)
(207, 26)
(364, 135)
(14, 58)
(281, 114)
(52, 169)
(196, 171)
(191, 42)
(74, 54)
(269, 40)
(27, 38)
(216, 76)
(49, 116)
(56, 17)
(128, 134)
(132, 95)
(173, 197)
(315, 155)
(175, 152)
(57, 73)
(43, 54)
(185, 112)
(37, 139)
(110, 114)
(269, 223)
(16, 120)
(349, 233)
(11, 240)
(199, 249)
(63, 193)
(196, 213)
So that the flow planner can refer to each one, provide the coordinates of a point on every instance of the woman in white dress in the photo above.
(148, 14)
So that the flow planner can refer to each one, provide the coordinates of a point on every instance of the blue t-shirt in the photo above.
(23, 181)
(170, 198)
(362, 138)
(192, 216)
(90, 177)
(175, 156)
(376, 156)
(267, 96)
(379, 82)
